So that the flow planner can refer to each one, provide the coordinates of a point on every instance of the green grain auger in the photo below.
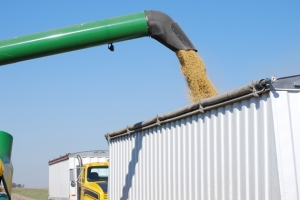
(156, 24)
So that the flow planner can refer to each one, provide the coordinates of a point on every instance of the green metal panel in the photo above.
(5, 146)
(73, 38)
(6, 141)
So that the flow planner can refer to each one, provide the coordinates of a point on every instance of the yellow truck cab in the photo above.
(79, 176)
(93, 181)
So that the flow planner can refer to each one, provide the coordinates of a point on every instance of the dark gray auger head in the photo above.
(163, 29)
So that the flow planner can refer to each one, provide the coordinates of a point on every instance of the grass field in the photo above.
(34, 193)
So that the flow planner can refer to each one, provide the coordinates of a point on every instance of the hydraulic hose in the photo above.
(148, 23)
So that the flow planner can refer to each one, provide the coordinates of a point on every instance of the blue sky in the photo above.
(66, 103)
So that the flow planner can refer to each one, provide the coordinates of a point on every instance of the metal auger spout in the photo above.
(148, 23)
(163, 29)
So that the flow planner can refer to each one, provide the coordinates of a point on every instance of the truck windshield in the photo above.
(97, 173)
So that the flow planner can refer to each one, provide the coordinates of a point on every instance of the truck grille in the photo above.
(105, 196)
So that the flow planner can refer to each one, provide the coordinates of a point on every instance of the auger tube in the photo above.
(148, 23)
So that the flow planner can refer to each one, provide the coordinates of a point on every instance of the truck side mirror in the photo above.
(73, 184)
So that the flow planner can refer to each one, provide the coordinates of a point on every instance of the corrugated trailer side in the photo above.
(239, 145)
(59, 178)
(286, 114)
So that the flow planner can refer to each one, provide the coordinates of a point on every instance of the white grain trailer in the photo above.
(244, 144)
(65, 169)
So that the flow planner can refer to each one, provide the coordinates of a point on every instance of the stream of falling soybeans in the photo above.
(193, 68)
